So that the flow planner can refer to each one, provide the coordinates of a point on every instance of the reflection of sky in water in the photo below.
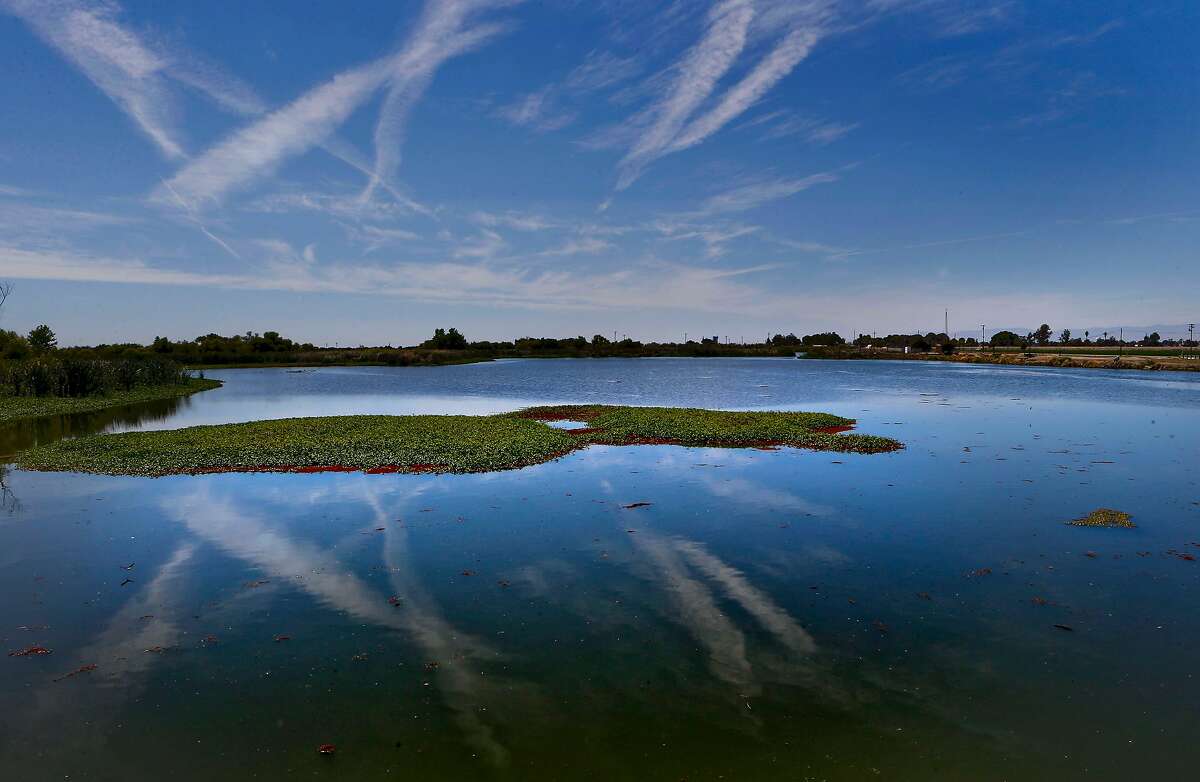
(478, 389)
(768, 614)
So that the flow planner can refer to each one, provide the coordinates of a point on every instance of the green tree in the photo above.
(42, 339)
(1065, 336)
(1005, 339)
(446, 340)
(1042, 335)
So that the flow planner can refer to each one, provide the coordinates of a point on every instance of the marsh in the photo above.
(628, 612)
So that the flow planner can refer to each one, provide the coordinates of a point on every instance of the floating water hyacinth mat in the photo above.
(438, 443)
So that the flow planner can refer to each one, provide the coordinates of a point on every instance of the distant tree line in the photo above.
(449, 345)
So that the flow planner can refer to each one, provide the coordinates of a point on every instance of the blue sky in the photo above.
(362, 172)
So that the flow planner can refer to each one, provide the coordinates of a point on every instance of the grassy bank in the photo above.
(435, 443)
(1156, 363)
(15, 408)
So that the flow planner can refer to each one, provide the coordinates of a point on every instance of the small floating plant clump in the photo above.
(438, 443)
(1104, 517)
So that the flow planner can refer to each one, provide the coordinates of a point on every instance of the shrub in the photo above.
(72, 377)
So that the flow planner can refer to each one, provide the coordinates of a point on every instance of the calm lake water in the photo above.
(783, 615)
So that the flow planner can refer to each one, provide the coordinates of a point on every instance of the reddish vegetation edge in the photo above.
(380, 470)
(833, 429)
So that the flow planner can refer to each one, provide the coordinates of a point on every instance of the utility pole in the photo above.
(982, 336)
(946, 325)
(1121, 344)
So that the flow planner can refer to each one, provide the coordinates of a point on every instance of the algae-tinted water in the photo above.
(768, 615)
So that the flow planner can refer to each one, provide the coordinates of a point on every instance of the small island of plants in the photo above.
(439, 443)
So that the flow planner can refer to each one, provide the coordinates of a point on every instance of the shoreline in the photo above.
(1143, 363)
(22, 408)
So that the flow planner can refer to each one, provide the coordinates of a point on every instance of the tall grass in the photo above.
(72, 377)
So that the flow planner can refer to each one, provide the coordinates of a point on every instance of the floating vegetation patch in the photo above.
(437, 443)
(1104, 517)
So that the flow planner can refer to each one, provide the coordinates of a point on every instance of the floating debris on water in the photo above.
(32, 651)
(1104, 517)
(77, 671)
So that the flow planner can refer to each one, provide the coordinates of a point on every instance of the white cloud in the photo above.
(714, 237)
(256, 150)
(582, 246)
(784, 124)
(536, 110)
(778, 63)
(937, 74)
(486, 245)
(517, 220)
(601, 70)
(342, 206)
(375, 237)
(439, 36)
(746, 197)
(14, 192)
(818, 248)
(19, 219)
(116, 61)
(672, 123)
(541, 110)
(651, 285)
(696, 76)
(135, 70)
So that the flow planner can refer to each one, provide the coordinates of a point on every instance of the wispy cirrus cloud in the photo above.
(543, 110)
(583, 245)
(696, 76)
(936, 75)
(338, 205)
(954, 17)
(713, 237)
(786, 55)
(601, 70)
(30, 220)
(14, 192)
(678, 120)
(785, 124)
(521, 221)
(440, 35)
(486, 245)
(282, 268)
(135, 70)
(746, 197)
(257, 150)
(537, 110)
(131, 74)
